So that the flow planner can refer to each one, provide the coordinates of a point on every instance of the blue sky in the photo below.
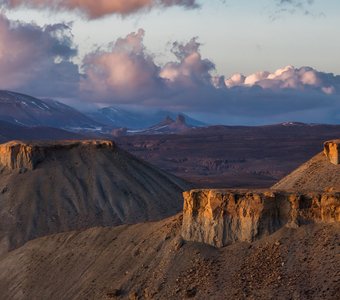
(178, 57)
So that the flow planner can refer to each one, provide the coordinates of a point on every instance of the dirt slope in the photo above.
(76, 186)
(317, 174)
(149, 261)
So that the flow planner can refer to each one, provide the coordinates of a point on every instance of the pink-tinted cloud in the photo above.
(124, 72)
(99, 8)
(38, 58)
(190, 70)
(289, 78)
(127, 72)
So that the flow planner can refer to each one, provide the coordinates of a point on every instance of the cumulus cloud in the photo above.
(190, 70)
(127, 72)
(37, 59)
(124, 72)
(304, 78)
(99, 8)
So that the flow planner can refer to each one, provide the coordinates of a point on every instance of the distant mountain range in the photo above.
(118, 118)
(27, 111)
(167, 126)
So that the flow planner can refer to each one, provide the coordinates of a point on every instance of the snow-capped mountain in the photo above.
(167, 126)
(117, 117)
(25, 110)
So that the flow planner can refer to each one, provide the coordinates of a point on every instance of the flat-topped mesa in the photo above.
(331, 150)
(222, 217)
(26, 155)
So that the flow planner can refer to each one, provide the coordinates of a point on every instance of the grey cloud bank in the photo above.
(37, 59)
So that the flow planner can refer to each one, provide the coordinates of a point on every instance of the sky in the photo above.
(229, 62)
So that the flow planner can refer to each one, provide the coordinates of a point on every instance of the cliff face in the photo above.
(20, 155)
(222, 217)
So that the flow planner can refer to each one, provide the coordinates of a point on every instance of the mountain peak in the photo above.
(181, 119)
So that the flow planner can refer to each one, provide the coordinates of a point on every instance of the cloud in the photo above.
(293, 7)
(99, 8)
(190, 70)
(302, 79)
(124, 72)
(37, 59)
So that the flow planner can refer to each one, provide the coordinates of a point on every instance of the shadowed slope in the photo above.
(317, 174)
(51, 188)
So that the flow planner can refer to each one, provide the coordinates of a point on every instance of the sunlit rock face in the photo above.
(25, 155)
(222, 217)
(331, 150)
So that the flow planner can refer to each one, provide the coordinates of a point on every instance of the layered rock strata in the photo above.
(26, 155)
(222, 217)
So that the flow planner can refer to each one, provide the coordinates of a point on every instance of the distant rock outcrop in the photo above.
(167, 126)
(222, 217)
(331, 150)
(60, 186)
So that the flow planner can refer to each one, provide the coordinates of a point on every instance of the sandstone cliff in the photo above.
(26, 155)
(222, 217)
